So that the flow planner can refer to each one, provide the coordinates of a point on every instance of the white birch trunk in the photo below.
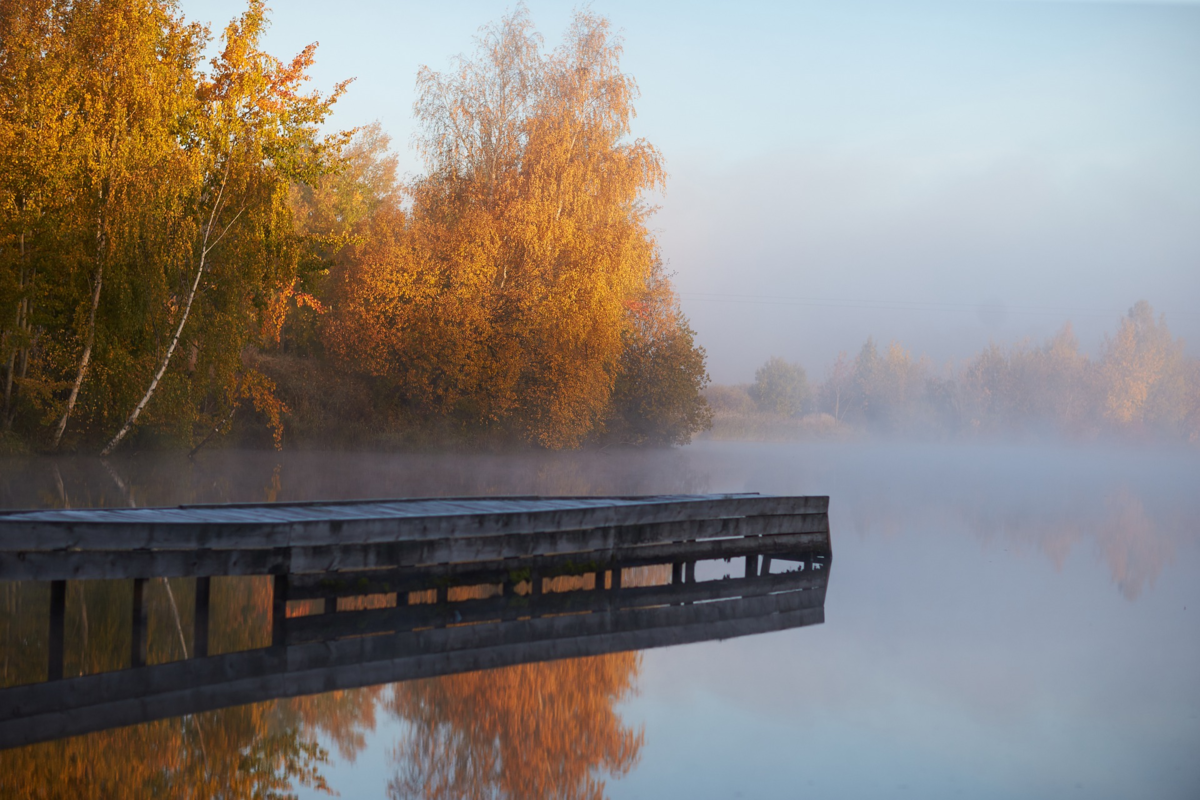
(84, 360)
(205, 249)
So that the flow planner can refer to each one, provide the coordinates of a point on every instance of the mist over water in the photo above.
(1002, 620)
(1132, 509)
(1133, 506)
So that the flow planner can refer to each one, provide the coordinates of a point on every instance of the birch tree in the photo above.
(256, 132)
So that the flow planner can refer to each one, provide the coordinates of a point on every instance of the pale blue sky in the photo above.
(941, 173)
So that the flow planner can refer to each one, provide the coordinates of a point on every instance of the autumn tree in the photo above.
(1064, 374)
(33, 170)
(97, 168)
(780, 388)
(148, 213)
(503, 298)
(834, 393)
(1143, 371)
(258, 133)
(334, 215)
(657, 395)
(133, 64)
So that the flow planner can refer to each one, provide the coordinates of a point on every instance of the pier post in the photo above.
(58, 610)
(752, 566)
(279, 598)
(137, 648)
(200, 625)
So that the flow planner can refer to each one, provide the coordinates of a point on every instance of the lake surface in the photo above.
(1011, 621)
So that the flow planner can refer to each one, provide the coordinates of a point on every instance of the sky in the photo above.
(941, 174)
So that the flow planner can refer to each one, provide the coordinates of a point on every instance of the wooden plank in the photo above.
(138, 642)
(112, 564)
(573, 543)
(344, 509)
(117, 564)
(279, 601)
(22, 702)
(200, 625)
(214, 527)
(625, 541)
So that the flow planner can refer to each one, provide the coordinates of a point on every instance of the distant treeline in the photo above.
(184, 251)
(1143, 384)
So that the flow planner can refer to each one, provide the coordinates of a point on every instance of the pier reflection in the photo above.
(507, 687)
(128, 650)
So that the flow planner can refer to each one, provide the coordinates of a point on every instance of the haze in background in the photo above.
(942, 174)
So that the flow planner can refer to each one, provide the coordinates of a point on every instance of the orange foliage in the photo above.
(503, 298)
(529, 731)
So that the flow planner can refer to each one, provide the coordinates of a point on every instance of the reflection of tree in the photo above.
(1134, 549)
(1133, 545)
(1136, 540)
(546, 730)
(257, 751)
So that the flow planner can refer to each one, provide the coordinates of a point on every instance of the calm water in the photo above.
(1000, 622)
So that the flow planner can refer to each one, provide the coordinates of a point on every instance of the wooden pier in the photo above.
(426, 557)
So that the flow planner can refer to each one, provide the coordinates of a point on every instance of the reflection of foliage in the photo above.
(1046, 507)
(1129, 542)
(255, 751)
(531, 731)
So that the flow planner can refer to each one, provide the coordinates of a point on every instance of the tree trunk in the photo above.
(85, 359)
(205, 249)
(162, 365)
(21, 325)
(217, 429)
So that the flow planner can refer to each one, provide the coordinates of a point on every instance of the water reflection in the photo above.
(544, 729)
(97, 632)
(940, 660)
(529, 731)
(464, 626)
(547, 730)
(262, 750)
(546, 726)
(258, 750)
